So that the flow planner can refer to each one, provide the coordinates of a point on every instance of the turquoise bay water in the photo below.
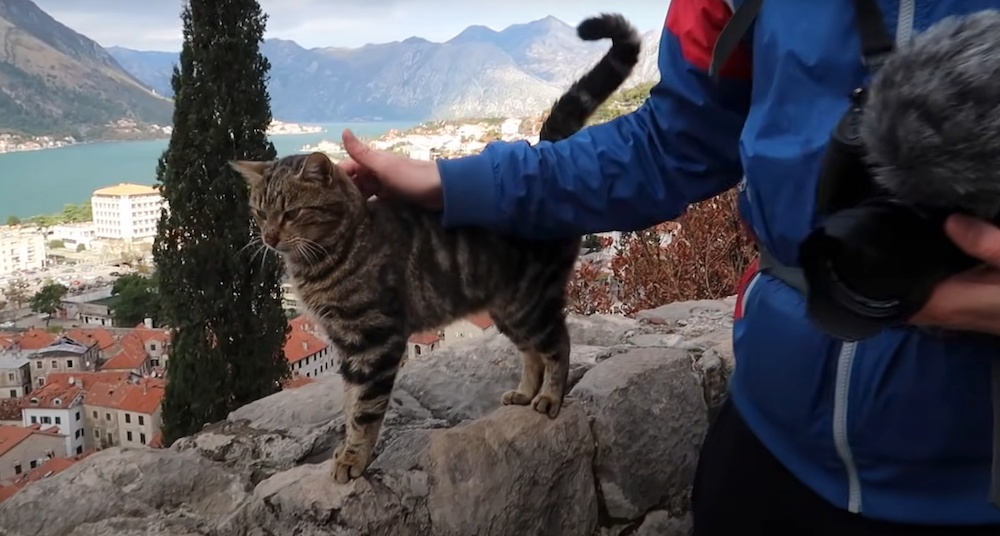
(41, 182)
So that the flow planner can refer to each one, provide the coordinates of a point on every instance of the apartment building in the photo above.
(308, 355)
(21, 248)
(289, 299)
(126, 212)
(58, 406)
(124, 412)
(74, 235)
(25, 448)
(467, 328)
(62, 355)
(15, 373)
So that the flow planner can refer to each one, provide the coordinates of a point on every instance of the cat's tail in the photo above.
(572, 110)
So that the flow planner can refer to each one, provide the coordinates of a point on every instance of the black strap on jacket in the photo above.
(876, 46)
(876, 43)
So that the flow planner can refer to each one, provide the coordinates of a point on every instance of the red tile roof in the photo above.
(50, 468)
(425, 338)
(36, 339)
(7, 340)
(55, 389)
(7, 492)
(302, 344)
(10, 409)
(304, 323)
(143, 397)
(481, 320)
(130, 355)
(99, 337)
(146, 335)
(12, 436)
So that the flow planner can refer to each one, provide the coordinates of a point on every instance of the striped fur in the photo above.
(373, 272)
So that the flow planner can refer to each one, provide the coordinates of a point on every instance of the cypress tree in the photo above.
(221, 298)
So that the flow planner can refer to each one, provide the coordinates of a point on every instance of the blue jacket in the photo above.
(897, 427)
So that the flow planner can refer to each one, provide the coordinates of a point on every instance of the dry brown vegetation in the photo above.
(705, 259)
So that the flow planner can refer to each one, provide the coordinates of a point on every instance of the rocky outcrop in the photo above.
(451, 461)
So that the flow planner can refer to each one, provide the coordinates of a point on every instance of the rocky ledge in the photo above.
(451, 461)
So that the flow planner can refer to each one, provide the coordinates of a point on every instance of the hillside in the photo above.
(55, 81)
(480, 72)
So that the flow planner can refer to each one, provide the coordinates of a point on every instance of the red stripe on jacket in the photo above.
(697, 25)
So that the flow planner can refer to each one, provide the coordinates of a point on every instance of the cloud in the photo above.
(155, 24)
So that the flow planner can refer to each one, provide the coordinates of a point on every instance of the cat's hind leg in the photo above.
(369, 374)
(541, 334)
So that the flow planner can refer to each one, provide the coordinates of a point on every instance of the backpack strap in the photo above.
(876, 43)
(732, 34)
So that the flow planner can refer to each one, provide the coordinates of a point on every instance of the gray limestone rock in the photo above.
(451, 460)
(649, 418)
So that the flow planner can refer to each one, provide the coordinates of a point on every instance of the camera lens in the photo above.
(875, 266)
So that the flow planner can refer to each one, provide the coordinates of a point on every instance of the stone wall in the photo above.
(451, 461)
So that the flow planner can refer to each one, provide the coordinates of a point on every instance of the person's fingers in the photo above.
(976, 237)
(388, 167)
(967, 302)
(361, 153)
(350, 167)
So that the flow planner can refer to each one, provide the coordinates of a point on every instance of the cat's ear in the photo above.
(251, 170)
(318, 167)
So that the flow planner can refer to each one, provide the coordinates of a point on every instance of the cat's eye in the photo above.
(260, 214)
(292, 214)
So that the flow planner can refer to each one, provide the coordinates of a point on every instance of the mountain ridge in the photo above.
(518, 70)
(54, 80)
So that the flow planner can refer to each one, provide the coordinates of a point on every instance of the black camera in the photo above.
(873, 261)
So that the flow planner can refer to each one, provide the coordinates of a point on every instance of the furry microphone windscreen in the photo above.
(931, 124)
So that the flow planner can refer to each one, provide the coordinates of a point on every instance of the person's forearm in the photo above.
(680, 147)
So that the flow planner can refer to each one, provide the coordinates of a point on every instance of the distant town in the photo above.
(128, 129)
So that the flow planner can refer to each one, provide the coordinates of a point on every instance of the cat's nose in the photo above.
(271, 238)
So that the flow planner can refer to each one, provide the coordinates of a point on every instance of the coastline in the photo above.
(302, 128)
(43, 182)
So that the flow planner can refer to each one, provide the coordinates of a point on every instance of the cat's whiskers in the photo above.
(254, 241)
(310, 250)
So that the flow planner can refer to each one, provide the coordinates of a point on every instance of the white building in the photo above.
(510, 127)
(60, 405)
(471, 327)
(126, 212)
(419, 153)
(21, 249)
(307, 354)
(73, 234)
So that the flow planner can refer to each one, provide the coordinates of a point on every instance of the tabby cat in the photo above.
(373, 272)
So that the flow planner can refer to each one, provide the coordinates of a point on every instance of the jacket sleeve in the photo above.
(643, 168)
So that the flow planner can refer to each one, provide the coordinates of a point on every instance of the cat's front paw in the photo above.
(349, 463)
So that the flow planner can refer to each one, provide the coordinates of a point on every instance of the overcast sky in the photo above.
(155, 24)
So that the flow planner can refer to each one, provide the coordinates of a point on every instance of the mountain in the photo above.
(480, 72)
(56, 81)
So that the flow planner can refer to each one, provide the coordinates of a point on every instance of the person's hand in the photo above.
(969, 301)
(386, 174)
